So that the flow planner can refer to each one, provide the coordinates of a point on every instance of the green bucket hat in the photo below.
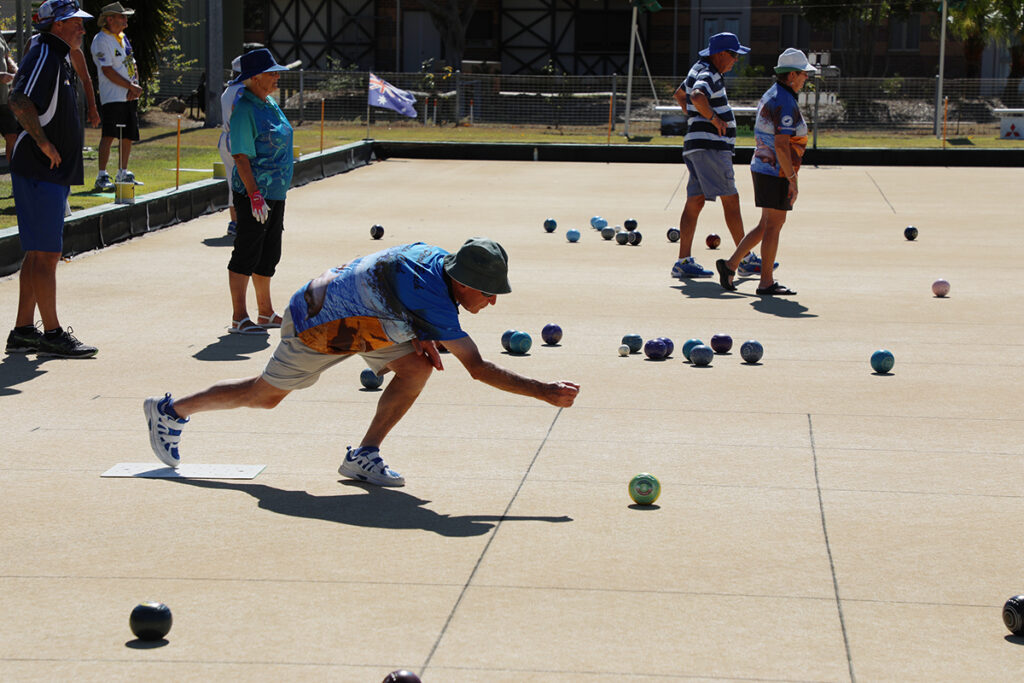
(480, 263)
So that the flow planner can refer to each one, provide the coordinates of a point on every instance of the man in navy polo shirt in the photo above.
(46, 161)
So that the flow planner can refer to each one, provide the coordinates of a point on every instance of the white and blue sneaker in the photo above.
(164, 430)
(751, 265)
(688, 267)
(232, 228)
(365, 464)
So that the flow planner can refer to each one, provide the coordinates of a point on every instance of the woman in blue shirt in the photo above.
(780, 137)
(261, 146)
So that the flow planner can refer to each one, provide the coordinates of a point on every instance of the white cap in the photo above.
(793, 60)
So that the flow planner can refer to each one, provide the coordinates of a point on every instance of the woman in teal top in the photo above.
(261, 145)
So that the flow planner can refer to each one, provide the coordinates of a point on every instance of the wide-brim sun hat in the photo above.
(112, 8)
(724, 42)
(481, 264)
(255, 63)
(793, 59)
(57, 10)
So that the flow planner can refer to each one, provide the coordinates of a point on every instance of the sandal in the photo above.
(245, 326)
(776, 289)
(725, 275)
(269, 322)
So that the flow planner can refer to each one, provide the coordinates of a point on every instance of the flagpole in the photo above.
(367, 118)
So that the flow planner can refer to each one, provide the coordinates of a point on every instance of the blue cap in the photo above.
(723, 42)
(255, 63)
(57, 10)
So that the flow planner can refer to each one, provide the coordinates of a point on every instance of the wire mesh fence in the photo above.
(598, 104)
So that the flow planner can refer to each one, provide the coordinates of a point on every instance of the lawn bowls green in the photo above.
(635, 342)
(644, 489)
(882, 361)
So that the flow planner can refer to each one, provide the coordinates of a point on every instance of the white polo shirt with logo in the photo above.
(115, 51)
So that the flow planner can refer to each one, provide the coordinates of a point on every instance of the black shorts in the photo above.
(771, 192)
(257, 248)
(8, 123)
(127, 113)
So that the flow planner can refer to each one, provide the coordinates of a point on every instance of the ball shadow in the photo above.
(1016, 640)
(638, 506)
(139, 644)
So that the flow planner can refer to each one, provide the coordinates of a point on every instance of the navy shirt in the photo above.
(700, 132)
(45, 76)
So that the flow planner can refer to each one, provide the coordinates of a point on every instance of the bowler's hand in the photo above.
(51, 153)
(428, 349)
(793, 190)
(93, 117)
(260, 210)
(561, 394)
(6, 77)
(134, 92)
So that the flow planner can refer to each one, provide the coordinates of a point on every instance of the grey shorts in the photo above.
(711, 174)
(296, 366)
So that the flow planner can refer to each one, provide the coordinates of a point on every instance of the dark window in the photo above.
(481, 28)
(905, 34)
(606, 32)
(795, 32)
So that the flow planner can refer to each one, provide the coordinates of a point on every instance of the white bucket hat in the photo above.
(793, 60)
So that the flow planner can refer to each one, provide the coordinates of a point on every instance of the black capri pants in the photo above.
(257, 248)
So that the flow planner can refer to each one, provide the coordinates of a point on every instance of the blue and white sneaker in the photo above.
(751, 265)
(232, 228)
(365, 464)
(164, 430)
(688, 267)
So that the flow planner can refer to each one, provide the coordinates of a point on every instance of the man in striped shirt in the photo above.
(708, 150)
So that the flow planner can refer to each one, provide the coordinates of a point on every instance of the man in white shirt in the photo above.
(119, 92)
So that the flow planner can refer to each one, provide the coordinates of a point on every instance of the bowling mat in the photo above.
(148, 470)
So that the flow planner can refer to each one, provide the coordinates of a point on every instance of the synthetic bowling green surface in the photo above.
(817, 522)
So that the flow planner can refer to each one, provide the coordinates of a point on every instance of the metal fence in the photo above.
(593, 104)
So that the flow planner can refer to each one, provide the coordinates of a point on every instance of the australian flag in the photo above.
(383, 94)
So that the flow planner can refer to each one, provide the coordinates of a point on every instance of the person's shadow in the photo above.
(16, 368)
(368, 506)
(233, 347)
(781, 307)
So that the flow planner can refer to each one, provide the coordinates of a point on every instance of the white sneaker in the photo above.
(365, 464)
(164, 430)
(103, 183)
(126, 176)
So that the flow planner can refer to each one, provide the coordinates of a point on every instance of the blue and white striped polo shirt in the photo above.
(45, 76)
(700, 132)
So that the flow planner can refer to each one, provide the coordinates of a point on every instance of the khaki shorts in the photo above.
(296, 366)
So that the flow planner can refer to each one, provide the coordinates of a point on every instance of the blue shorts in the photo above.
(711, 174)
(40, 208)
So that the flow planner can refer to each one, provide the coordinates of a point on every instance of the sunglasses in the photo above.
(732, 54)
(487, 295)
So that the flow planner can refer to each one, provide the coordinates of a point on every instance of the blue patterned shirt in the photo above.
(260, 131)
(386, 298)
(778, 114)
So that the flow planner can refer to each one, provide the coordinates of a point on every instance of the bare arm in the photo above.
(560, 394)
(784, 154)
(134, 91)
(82, 69)
(25, 111)
(11, 70)
(701, 103)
